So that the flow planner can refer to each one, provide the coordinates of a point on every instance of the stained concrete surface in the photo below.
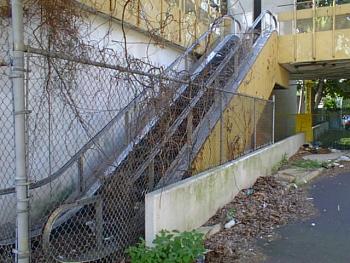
(324, 157)
(322, 239)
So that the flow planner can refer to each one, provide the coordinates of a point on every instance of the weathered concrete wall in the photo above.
(286, 108)
(190, 203)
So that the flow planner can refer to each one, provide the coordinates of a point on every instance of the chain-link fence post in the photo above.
(17, 75)
(273, 117)
(189, 130)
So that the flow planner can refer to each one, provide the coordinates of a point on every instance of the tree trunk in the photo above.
(319, 92)
(301, 98)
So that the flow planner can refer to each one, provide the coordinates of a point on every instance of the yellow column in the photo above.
(304, 121)
(309, 85)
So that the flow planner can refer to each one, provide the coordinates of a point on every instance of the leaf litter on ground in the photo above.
(258, 211)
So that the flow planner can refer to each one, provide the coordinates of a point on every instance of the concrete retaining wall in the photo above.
(190, 203)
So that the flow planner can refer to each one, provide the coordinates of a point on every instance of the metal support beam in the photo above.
(21, 179)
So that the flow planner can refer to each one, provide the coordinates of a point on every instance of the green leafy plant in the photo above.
(231, 214)
(284, 160)
(169, 247)
(344, 141)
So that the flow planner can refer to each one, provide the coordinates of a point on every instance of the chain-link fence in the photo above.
(103, 128)
(7, 156)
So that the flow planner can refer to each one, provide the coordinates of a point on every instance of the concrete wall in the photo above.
(286, 108)
(180, 24)
(190, 203)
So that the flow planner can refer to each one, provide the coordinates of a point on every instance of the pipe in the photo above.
(273, 117)
(17, 75)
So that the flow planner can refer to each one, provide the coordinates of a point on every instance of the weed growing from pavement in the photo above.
(231, 214)
(308, 164)
(281, 163)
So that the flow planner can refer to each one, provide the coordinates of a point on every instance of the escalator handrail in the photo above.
(259, 19)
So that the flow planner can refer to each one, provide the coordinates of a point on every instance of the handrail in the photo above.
(79, 153)
(260, 18)
(203, 36)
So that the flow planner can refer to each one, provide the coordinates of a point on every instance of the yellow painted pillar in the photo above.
(304, 124)
(304, 121)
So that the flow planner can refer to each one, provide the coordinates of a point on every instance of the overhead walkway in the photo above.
(315, 42)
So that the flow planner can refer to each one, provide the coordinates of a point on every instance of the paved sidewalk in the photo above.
(323, 239)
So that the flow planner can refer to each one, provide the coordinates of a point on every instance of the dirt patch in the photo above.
(304, 151)
(257, 211)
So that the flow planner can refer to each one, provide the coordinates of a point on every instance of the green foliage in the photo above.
(308, 164)
(329, 90)
(231, 214)
(284, 160)
(344, 141)
(337, 88)
(169, 247)
(330, 103)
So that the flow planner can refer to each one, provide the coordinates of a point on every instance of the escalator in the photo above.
(176, 128)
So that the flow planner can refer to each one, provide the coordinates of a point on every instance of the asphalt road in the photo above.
(324, 238)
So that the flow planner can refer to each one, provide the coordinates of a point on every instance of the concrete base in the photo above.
(190, 203)
(297, 175)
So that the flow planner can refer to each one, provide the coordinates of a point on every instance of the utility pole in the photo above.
(17, 75)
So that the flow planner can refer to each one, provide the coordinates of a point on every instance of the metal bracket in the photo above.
(21, 254)
(23, 112)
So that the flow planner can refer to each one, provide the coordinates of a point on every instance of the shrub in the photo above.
(169, 247)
